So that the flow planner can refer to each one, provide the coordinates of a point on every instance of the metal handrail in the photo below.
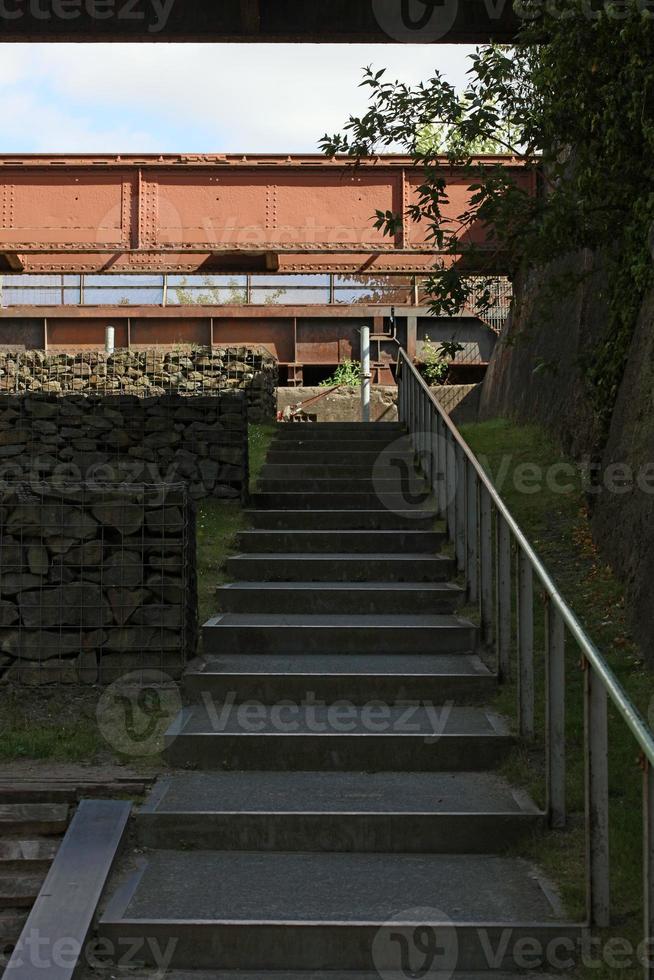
(468, 500)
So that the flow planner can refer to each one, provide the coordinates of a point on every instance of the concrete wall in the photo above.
(560, 317)
(344, 405)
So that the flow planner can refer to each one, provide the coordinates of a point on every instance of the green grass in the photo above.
(557, 525)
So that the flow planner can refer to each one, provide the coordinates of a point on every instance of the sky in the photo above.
(194, 98)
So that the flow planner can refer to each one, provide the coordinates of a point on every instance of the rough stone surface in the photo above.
(129, 591)
(200, 439)
(559, 319)
(344, 405)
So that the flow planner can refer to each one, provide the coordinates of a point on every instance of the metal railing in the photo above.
(486, 538)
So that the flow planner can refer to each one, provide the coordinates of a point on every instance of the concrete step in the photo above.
(360, 678)
(299, 469)
(318, 736)
(270, 633)
(341, 568)
(307, 911)
(350, 447)
(445, 813)
(310, 542)
(280, 455)
(323, 432)
(155, 973)
(281, 428)
(393, 502)
(335, 520)
(415, 490)
(343, 598)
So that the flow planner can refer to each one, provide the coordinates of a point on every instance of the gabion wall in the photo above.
(200, 440)
(95, 582)
(201, 370)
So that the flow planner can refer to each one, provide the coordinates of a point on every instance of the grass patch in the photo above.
(50, 723)
(557, 525)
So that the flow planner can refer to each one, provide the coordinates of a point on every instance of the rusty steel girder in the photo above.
(248, 21)
(190, 213)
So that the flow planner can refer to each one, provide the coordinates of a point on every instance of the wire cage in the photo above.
(95, 580)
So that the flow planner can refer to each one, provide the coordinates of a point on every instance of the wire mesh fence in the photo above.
(95, 581)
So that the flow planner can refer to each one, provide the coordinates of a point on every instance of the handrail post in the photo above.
(555, 665)
(648, 867)
(450, 479)
(503, 580)
(461, 510)
(472, 539)
(486, 566)
(525, 604)
(597, 798)
(441, 456)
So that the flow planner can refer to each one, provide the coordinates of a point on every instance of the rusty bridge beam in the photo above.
(315, 21)
(221, 213)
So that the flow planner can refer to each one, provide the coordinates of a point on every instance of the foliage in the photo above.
(436, 359)
(232, 294)
(573, 102)
(348, 373)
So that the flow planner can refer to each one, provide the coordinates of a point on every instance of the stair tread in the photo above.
(340, 556)
(322, 720)
(436, 587)
(393, 664)
(338, 792)
(327, 621)
(332, 888)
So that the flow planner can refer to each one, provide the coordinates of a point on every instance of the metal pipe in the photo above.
(525, 604)
(472, 538)
(110, 340)
(503, 580)
(648, 866)
(486, 566)
(461, 512)
(555, 665)
(365, 373)
(597, 799)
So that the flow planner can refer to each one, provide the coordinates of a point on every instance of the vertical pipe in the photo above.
(525, 602)
(460, 505)
(472, 539)
(365, 373)
(441, 456)
(555, 716)
(82, 286)
(648, 866)
(486, 566)
(450, 479)
(597, 799)
(164, 289)
(110, 340)
(503, 581)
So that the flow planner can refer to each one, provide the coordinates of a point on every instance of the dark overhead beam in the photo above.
(316, 21)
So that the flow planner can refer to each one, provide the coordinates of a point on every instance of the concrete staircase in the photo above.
(340, 805)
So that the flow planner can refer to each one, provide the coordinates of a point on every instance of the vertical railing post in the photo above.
(503, 583)
(486, 566)
(525, 605)
(555, 663)
(460, 505)
(441, 462)
(597, 798)
(648, 867)
(450, 479)
(472, 539)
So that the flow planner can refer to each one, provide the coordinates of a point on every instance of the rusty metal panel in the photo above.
(72, 333)
(22, 333)
(161, 331)
(324, 341)
(276, 335)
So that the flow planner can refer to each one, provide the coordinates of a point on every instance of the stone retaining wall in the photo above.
(344, 404)
(95, 582)
(202, 370)
(200, 440)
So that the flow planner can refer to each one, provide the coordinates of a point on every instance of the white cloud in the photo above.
(221, 98)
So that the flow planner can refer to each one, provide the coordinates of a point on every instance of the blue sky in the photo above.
(195, 98)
